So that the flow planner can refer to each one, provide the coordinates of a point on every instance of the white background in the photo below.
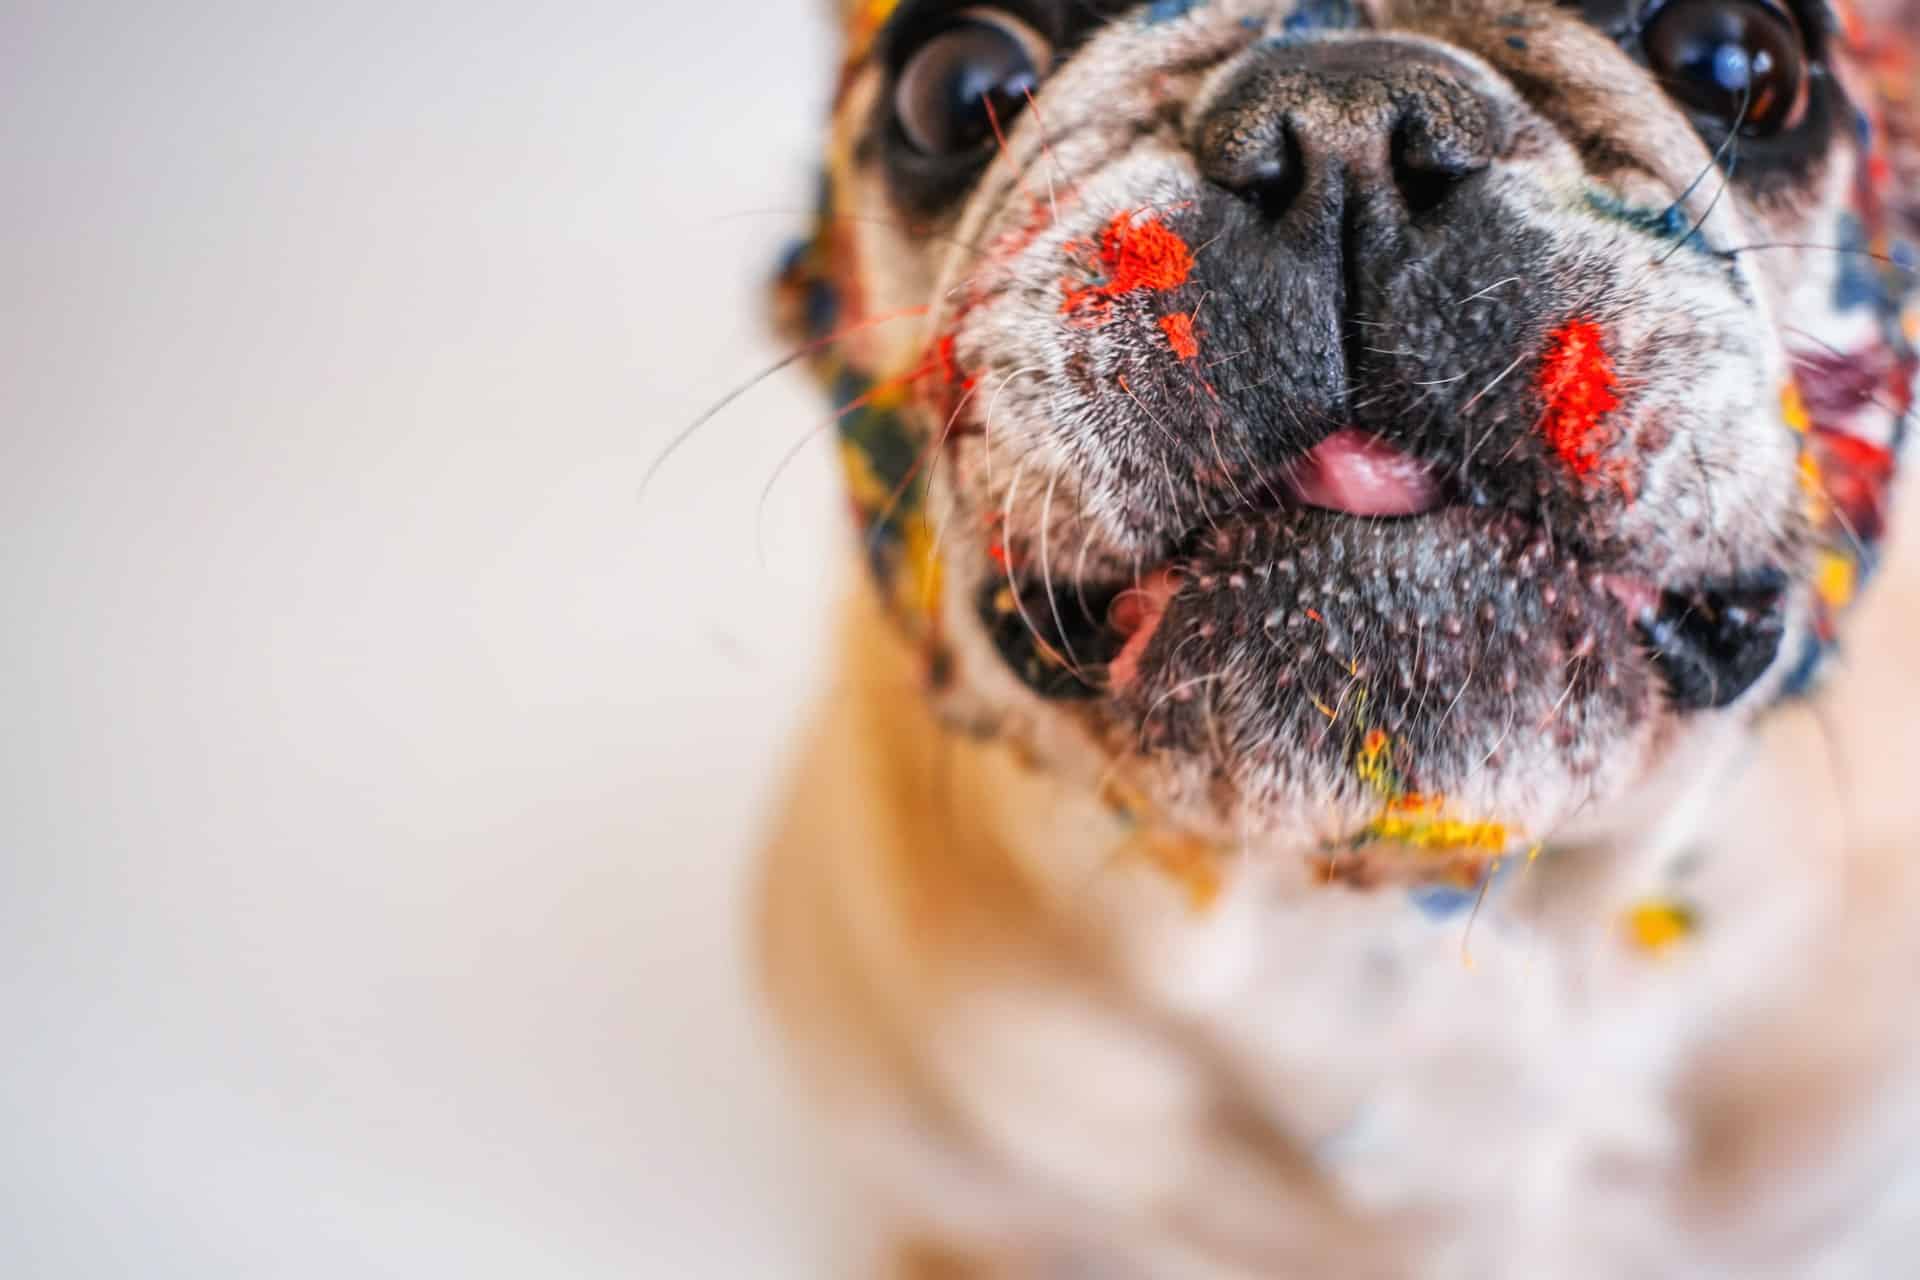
(380, 776)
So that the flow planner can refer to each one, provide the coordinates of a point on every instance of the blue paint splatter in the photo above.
(1859, 283)
(1670, 223)
(819, 299)
(1167, 10)
(1442, 902)
(1804, 677)
(1321, 15)
(822, 308)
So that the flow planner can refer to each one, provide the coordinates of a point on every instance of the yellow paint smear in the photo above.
(1793, 407)
(921, 584)
(1836, 579)
(1417, 821)
(1431, 830)
(868, 493)
(1813, 485)
(1658, 925)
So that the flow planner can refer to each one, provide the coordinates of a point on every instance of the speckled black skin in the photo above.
(1449, 635)
(1351, 313)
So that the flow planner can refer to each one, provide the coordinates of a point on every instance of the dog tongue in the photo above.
(1361, 474)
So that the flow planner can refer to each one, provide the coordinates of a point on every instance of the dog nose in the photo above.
(1318, 124)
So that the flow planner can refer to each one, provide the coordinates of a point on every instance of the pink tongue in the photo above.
(1361, 474)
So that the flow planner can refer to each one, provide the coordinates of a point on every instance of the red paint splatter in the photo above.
(943, 352)
(1179, 330)
(1146, 255)
(945, 386)
(1856, 475)
(1578, 383)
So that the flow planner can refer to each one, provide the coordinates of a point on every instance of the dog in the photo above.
(1354, 753)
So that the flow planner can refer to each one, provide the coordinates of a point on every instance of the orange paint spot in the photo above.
(1180, 335)
(1146, 255)
(1578, 383)
(1136, 256)
(1123, 800)
(866, 21)
(1192, 864)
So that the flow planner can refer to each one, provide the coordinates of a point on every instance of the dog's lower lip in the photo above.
(1638, 596)
(1713, 642)
(1709, 644)
(1450, 634)
(1136, 614)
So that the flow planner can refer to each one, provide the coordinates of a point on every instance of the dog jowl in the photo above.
(1341, 420)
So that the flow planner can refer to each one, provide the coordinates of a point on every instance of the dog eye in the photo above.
(1742, 63)
(972, 74)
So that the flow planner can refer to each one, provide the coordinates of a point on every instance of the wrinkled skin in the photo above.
(1392, 213)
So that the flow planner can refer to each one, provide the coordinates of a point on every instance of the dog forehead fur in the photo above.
(1056, 1035)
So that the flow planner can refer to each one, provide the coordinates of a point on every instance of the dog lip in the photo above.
(1640, 597)
(1714, 641)
(1357, 473)
(1136, 614)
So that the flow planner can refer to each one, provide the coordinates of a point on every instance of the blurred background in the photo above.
(382, 774)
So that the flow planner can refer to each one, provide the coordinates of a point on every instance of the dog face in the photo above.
(1339, 424)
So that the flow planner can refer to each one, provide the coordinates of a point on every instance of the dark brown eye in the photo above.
(974, 73)
(1741, 63)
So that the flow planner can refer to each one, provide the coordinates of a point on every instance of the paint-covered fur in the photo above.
(1189, 880)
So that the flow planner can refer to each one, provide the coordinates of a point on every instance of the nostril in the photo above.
(1427, 169)
(1265, 167)
(1275, 182)
(1424, 190)
(1322, 124)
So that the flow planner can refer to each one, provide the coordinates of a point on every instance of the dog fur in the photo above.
(1133, 980)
